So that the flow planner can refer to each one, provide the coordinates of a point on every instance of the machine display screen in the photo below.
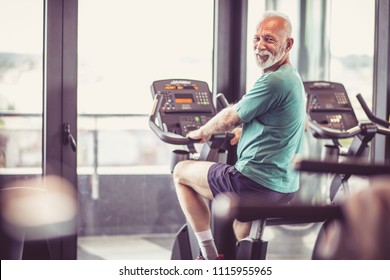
(181, 87)
(184, 99)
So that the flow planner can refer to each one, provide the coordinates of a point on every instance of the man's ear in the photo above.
(290, 43)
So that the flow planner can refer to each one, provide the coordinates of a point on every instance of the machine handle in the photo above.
(176, 139)
(383, 131)
(333, 133)
(336, 134)
(221, 99)
(354, 168)
(167, 137)
(369, 114)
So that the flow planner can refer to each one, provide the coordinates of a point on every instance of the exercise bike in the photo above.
(340, 122)
(180, 106)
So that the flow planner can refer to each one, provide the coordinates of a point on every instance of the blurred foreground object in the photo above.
(365, 230)
(35, 209)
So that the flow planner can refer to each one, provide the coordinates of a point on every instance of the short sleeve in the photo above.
(258, 101)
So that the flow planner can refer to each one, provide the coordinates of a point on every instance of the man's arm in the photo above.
(224, 121)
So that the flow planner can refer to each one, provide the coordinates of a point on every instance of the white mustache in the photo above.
(262, 53)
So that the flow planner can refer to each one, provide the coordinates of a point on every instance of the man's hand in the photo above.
(198, 134)
(237, 134)
(224, 121)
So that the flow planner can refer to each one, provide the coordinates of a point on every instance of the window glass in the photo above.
(123, 48)
(21, 79)
(123, 168)
(352, 48)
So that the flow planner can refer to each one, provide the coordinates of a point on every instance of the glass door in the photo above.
(37, 97)
(21, 116)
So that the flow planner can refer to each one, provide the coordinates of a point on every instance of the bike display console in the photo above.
(328, 105)
(186, 104)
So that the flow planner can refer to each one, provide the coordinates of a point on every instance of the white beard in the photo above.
(271, 60)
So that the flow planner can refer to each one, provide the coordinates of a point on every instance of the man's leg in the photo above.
(192, 188)
(241, 229)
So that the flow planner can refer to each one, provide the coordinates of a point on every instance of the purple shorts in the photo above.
(226, 178)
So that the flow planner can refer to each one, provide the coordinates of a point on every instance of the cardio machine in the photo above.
(180, 106)
(330, 116)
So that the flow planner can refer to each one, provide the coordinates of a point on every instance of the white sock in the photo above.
(206, 244)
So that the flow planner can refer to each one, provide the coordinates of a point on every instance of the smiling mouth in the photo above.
(262, 57)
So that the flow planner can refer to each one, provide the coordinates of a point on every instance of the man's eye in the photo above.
(256, 39)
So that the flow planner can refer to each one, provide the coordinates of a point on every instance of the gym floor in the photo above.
(293, 242)
(286, 242)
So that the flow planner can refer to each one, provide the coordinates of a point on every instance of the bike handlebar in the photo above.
(221, 99)
(334, 133)
(346, 167)
(167, 137)
(381, 126)
(369, 114)
(383, 131)
(176, 139)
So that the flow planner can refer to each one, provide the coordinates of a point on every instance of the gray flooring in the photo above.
(287, 242)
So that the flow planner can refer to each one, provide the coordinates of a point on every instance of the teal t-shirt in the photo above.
(273, 115)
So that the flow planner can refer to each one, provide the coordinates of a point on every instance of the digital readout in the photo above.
(181, 87)
(184, 98)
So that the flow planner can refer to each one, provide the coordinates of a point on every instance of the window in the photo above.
(21, 79)
(119, 58)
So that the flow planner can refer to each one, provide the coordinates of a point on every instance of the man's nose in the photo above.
(259, 45)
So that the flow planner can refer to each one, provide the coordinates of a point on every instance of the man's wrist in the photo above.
(203, 132)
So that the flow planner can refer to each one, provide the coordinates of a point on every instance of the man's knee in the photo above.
(193, 174)
(179, 172)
